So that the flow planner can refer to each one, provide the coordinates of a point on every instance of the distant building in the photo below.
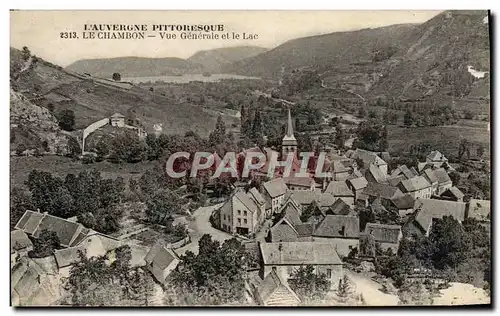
(357, 186)
(289, 143)
(368, 158)
(274, 193)
(453, 194)
(117, 120)
(418, 187)
(342, 231)
(20, 245)
(387, 236)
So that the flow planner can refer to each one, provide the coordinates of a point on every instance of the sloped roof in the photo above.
(427, 209)
(299, 253)
(377, 174)
(382, 190)
(395, 180)
(339, 167)
(479, 209)
(19, 240)
(453, 191)
(332, 225)
(279, 225)
(358, 183)
(383, 233)
(34, 223)
(326, 200)
(160, 256)
(298, 181)
(272, 283)
(305, 197)
(435, 155)
(275, 187)
(246, 200)
(404, 202)
(257, 196)
(340, 207)
(415, 184)
(29, 221)
(117, 115)
(442, 175)
(368, 157)
(292, 214)
(305, 229)
(430, 175)
(338, 188)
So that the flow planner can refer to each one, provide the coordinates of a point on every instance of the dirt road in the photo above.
(371, 290)
(200, 226)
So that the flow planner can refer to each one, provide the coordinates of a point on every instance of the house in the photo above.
(275, 291)
(357, 185)
(444, 181)
(287, 229)
(453, 194)
(341, 169)
(68, 232)
(242, 213)
(274, 193)
(404, 171)
(20, 245)
(402, 204)
(479, 209)
(161, 261)
(340, 230)
(431, 177)
(340, 207)
(375, 174)
(300, 183)
(367, 158)
(436, 158)
(417, 187)
(387, 236)
(395, 180)
(428, 209)
(286, 257)
(340, 190)
(384, 191)
(32, 285)
(117, 120)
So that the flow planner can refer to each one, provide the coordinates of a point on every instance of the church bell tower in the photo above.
(289, 143)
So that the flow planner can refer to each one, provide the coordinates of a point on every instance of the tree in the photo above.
(408, 119)
(66, 120)
(480, 150)
(362, 112)
(449, 241)
(257, 127)
(20, 201)
(161, 204)
(117, 77)
(307, 284)
(464, 149)
(26, 53)
(45, 244)
(218, 135)
(298, 126)
(345, 288)
(414, 293)
(213, 277)
(311, 210)
(127, 147)
(455, 177)
(340, 136)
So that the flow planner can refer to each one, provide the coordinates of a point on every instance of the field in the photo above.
(20, 167)
(444, 138)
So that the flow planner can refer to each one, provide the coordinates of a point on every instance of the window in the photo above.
(274, 269)
(329, 273)
(224, 216)
(245, 220)
(239, 212)
(239, 220)
(245, 213)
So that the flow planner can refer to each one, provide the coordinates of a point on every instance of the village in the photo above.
(362, 211)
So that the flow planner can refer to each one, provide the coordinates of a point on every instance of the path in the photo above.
(200, 226)
(371, 290)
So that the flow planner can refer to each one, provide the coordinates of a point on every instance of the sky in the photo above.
(40, 30)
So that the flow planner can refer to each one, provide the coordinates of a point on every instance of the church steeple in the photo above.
(289, 129)
(289, 143)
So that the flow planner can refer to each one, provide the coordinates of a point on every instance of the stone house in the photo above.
(428, 209)
(357, 186)
(387, 236)
(20, 245)
(275, 291)
(161, 261)
(242, 213)
(340, 190)
(368, 158)
(430, 176)
(342, 231)
(453, 194)
(286, 257)
(117, 120)
(418, 187)
(444, 181)
(274, 194)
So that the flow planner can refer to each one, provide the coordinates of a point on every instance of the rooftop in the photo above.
(299, 253)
